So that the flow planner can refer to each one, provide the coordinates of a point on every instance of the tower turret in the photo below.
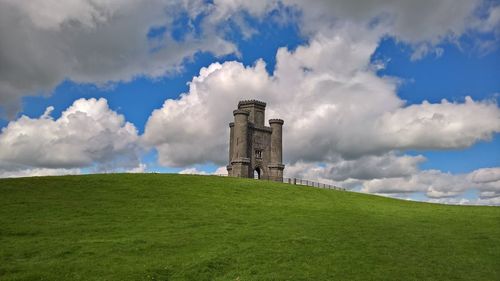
(240, 161)
(276, 166)
(231, 148)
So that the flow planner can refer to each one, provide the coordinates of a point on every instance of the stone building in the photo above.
(255, 150)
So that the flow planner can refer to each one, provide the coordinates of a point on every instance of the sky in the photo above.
(398, 99)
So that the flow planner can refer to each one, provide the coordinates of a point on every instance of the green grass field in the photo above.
(180, 227)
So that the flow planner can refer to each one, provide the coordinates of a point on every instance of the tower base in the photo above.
(276, 172)
(240, 168)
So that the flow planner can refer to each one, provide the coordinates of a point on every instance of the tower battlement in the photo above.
(251, 102)
(276, 121)
(256, 109)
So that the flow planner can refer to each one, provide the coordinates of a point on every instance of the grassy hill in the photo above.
(180, 227)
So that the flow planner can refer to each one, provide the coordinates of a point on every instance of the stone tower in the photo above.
(255, 149)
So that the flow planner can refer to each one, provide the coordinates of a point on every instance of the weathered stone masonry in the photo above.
(253, 147)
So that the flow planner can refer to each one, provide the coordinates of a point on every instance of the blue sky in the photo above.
(401, 63)
(452, 76)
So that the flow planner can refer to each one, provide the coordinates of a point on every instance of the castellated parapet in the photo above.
(255, 149)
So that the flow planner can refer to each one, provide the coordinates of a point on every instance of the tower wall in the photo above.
(261, 150)
(256, 109)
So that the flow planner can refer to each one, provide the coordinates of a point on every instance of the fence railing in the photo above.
(298, 181)
(311, 183)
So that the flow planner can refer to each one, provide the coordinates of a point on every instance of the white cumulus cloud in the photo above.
(423, 24)
(437, 184)
(87, 133)
(192, 171)
(333, 103)
(45, 42)
(36, 172)
(389, 165)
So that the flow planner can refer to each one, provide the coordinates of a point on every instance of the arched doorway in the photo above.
(256, 173)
